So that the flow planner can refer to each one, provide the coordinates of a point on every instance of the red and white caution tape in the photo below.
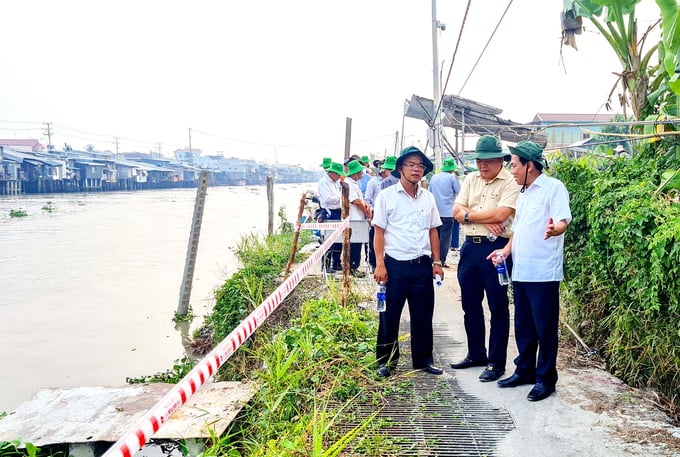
(159, 414)
(320, 226)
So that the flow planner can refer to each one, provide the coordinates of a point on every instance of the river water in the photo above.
(88, 291)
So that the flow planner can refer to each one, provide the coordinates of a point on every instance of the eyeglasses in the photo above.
(417, 166)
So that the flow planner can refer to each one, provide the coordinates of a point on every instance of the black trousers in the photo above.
(336, 248)
(412, 282)
(537, 315)
(371, 251)
(477, 276)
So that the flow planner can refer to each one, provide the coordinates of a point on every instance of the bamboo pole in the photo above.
(346, 234)
(296, 236)
(270, 205)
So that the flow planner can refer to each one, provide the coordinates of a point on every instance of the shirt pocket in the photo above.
(424, 221)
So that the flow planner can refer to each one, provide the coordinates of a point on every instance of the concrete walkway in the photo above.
(592, 413)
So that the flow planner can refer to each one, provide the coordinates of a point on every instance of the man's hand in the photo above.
(380, 273)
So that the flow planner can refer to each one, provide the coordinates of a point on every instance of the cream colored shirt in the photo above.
(478, 194)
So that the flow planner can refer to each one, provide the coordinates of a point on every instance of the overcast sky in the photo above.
(275, 79)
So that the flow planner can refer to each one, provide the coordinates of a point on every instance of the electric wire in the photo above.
(485, 46)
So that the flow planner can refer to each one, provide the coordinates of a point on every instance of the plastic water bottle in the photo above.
(438, 280)
(380, 297)
(502, 269)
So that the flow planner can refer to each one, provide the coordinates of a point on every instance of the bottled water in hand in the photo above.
(502, 269)
(381, 297)
(438, 280)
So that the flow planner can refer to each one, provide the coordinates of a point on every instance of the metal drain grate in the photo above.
(435, 417)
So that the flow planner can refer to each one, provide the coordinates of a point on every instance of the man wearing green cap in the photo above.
(326, 163)
(445, 187)
(407, 259)
(359, 210)
(330, 200)
(485, 203)
(536, 246)
(373, 187)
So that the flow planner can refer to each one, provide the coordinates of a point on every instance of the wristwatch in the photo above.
(437, 262)
(466, 218)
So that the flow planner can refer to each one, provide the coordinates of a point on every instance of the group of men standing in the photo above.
(518, 212)
(363, 186)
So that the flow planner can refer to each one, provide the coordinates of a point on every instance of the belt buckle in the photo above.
(477, 239)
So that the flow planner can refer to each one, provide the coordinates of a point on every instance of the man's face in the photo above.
(334, 176)
(412, 169)
(489, 168)
(518, 170)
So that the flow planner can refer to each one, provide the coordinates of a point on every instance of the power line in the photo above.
(485, 46)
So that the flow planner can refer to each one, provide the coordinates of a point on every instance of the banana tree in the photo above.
(615, 20)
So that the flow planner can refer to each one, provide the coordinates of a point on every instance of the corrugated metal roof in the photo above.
(572, 117)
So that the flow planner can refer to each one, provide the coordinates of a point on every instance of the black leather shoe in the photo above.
(491, 373)
(467, 363)
(433, 370)
(514, 381)
(540, 391)
(383, 371)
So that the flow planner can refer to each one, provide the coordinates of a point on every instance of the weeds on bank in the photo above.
(310, 375)
(622, 265)
(19, 448)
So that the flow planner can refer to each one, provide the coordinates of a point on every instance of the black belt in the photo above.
(483, 239)
(417, 260)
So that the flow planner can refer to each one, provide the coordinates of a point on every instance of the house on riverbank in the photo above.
(27, 167)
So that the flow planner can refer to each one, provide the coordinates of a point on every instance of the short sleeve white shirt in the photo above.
(407, 221)
(535, 259)
(355, 214)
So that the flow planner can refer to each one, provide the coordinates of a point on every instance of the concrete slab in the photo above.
(104, 414)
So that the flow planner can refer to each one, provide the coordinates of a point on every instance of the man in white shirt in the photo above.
(359, 210)
(373, 187)
(406, 244)
(330, 200)
(537, 249)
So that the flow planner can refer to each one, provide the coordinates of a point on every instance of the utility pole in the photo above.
(437, 121)
(48, 132)
(191, 156)
(348, 136)
(116, 141)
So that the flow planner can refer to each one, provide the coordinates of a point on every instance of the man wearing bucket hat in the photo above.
(373, 187)
(330, 199)
(326, 163)
(445, 187)
(485, 204)
(359, 210)
(407, 258)
(536, 246)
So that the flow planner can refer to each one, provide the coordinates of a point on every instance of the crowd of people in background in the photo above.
(415, 216)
